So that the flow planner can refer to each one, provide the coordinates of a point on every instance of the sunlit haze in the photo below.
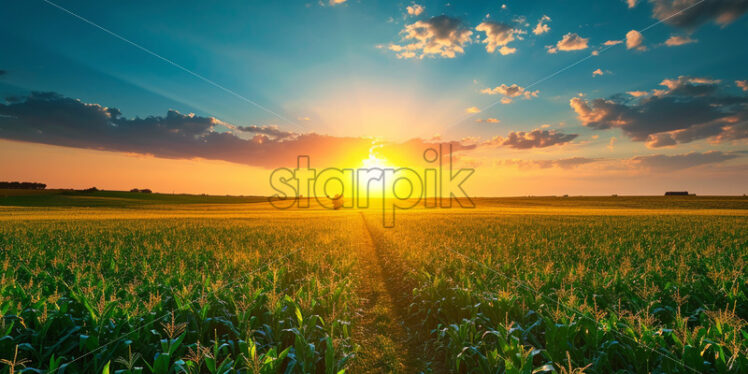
(540, 99)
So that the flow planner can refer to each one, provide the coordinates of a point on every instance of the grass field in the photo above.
(127, 282)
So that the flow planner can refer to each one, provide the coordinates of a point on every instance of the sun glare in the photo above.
(374, 162)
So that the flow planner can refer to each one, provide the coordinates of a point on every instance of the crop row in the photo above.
(563, 293)
(176, 296)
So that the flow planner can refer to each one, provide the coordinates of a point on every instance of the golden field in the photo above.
(176, 283)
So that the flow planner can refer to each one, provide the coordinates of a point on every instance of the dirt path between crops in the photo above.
(385, 331)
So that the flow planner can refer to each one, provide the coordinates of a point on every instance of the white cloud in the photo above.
(635, 40)
(613, 42)
(631, 3)
(472, 109)
(542, 28)
(597, 72)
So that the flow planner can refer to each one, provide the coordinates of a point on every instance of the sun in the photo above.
(374, 166)
(374, 162)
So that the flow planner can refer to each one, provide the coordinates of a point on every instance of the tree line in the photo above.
(23, 185)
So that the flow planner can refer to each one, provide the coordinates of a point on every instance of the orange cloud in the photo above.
(541, 27)
(533, 139)
(676, 40)
(415, 9)
(569, 42)
(635, 40)
(498, 35)
(510, 92)
(487, 120)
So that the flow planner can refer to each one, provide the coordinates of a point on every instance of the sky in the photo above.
(540, 98)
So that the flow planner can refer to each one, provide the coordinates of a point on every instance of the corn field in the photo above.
(552, 289)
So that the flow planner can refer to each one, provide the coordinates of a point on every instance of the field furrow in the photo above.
(384, 342)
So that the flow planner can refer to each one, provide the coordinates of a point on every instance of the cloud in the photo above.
(638, 93)
(303, 118)
(272, 131)
(472, 109)
(689, 109)
(534, 139)
(597, 72)
(510, 92)
(662, 162)
(612, 143)
(742, 84)
(50, 118)
(542, 28)
(690, 14)
(676, 40)
(635, 40)
(719, 131)
(415, 9)
(569, 42)
(570, 163)
(498, 35)
(690, 86)
(654, 163)
(487, 120)
(336, 2)
(411, 152)
(438, 36)
(613, 42)
(565, 163)
(631, 3)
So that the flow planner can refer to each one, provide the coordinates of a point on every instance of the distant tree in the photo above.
(145, 190)
(92, 189)
(337, 201)
(23, 185)
(134, 190)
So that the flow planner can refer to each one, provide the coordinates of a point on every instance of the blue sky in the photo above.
(331, 69)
